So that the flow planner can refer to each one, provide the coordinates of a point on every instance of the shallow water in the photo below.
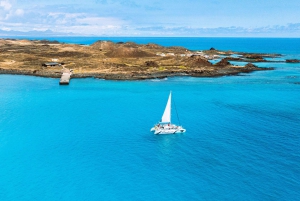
(91, 140)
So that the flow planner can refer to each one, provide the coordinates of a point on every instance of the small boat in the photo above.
(165, 126)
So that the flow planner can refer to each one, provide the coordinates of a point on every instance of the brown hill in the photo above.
(104, 45)
(118, 50)
(223, 62)
(197, 61)
(128, 52)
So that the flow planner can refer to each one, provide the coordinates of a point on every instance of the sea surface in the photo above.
(91, 140)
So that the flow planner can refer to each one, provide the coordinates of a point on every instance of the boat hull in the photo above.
(170, 131)
(167, 129)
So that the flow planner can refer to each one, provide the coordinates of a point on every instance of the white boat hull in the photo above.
(169, 129)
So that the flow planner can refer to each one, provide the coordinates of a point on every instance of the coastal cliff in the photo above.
(115, 61)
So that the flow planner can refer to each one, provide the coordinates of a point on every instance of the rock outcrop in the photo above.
(292, 61)
(197, 61)
(223, 62)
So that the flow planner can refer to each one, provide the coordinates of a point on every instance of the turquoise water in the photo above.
(259, 45)
(91, 140)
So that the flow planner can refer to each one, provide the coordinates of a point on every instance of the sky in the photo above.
(216, 18)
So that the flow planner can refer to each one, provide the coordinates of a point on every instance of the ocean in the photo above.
(91, 140)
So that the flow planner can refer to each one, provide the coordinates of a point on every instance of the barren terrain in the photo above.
(119, 61)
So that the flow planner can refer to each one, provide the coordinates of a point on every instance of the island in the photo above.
(120, 61)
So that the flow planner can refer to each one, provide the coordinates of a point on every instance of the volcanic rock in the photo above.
(292, 61)
(198, 61)
(223, 62)
(254, 56)
(250, 65)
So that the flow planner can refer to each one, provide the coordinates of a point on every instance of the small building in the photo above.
(51, 64)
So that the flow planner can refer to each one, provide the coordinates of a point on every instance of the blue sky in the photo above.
(248, 18)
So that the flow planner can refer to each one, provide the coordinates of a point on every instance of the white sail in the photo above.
(166, 118)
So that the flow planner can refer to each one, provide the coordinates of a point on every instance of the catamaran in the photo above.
(165, 126)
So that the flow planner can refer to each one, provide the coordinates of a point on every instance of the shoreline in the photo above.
(140, 76)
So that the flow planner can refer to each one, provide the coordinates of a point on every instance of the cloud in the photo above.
(131, 18)
(292, 30)
(99, 21)
(59, 22)
(19, 12)
(5, 5)
(9, 12)
(6, 29)
(99, 26)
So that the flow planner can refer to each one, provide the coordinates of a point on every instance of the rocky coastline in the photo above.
(138, 76)
(120, 61)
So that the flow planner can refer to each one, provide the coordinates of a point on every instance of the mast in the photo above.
(177, 113)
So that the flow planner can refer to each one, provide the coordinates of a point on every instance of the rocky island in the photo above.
(119, 61)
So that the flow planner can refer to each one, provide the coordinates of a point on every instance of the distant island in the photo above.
(120, 61)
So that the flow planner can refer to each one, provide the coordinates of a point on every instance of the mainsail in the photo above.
(166, 118)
